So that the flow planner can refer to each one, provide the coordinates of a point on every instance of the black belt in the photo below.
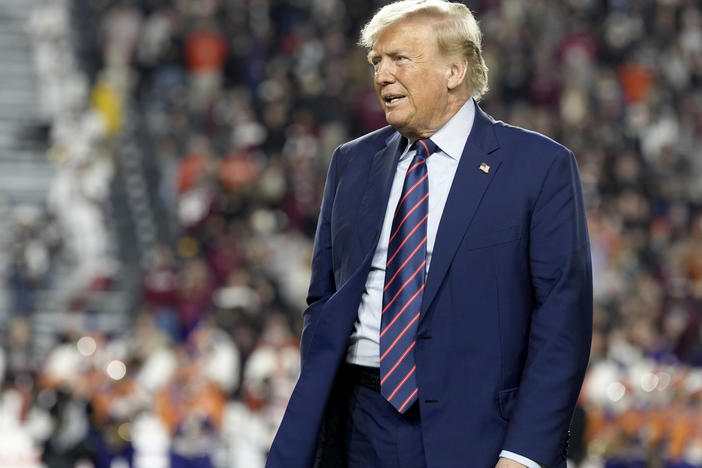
(362, 375)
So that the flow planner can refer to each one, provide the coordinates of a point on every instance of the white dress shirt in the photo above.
(451, 138)
(364, 345)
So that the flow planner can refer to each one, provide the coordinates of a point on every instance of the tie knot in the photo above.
(425, 147)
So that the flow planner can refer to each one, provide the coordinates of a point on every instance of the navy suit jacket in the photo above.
(504, 335)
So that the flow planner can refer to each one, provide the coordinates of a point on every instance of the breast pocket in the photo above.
(481, 240)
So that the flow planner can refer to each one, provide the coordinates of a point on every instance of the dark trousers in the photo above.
(362, 430)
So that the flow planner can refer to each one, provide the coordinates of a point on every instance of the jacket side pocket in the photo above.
(506, 399)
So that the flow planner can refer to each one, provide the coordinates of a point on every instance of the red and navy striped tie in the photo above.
(404, 284)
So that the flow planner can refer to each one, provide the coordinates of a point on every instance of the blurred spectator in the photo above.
(160, 292)
(31, 246)
(205, 54)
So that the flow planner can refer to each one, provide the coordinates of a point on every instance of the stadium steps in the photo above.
(24, 170)
(25, 175)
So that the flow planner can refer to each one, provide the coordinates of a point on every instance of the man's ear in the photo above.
(456, 73)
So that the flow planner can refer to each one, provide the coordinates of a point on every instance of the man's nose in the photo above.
(384, 73)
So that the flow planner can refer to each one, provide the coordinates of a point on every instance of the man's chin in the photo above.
(405, 131)
(393, 120)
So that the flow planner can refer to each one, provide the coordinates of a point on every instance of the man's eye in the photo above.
(400, 58)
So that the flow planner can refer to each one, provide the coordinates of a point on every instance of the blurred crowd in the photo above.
(243, 103)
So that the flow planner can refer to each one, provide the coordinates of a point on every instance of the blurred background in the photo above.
(161, 170)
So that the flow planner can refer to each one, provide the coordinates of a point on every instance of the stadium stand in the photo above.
(161, 168)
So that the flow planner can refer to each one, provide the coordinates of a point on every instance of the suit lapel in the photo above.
(375, 198)
(469, 185)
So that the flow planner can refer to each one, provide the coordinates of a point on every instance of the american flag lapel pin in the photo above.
(484, 167)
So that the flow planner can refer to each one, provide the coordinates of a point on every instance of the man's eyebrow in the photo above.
(390, 53)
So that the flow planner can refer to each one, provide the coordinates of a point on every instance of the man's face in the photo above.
(411, 77)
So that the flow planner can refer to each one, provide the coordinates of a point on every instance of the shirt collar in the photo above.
(451, 138)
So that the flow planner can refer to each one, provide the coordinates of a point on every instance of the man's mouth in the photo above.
(392, 98)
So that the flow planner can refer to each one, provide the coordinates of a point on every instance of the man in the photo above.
(451, 295)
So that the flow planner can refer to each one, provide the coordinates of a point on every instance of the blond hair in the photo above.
(457, 33)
